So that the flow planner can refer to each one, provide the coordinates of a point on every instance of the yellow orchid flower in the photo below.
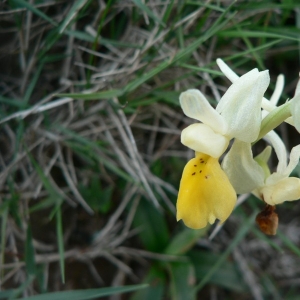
(205, 193)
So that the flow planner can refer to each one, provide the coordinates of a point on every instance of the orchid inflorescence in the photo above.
(208, 190)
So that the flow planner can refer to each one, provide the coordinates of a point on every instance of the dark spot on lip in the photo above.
(195, 165)
(194, 173)
(200, 171)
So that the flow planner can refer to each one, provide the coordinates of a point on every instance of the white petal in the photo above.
(280, 150)
(294, 159)
(195, 105)
(287, 189)
(237, 88)
(244, 173)
(295, 111)
(297, 91)
(202, 138)
(278, 89)
(267, 105)
(241, 105)
(232, 76)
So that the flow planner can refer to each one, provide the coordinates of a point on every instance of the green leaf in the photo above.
(98, 198)
(72, 13)
(87, 294)
(290, 244)
(222, 258)
(4, 217)
(46, 203)
(156, 281)
(35, 10)
(227, 276)
(153, 229)
(257, 34)
(94, 96)
(145, 8)
(103, 41)
(242, 54)
(6, 294)
(184, 240)
(16, 292)
(182, 280)
(47, 184)
(201, 69)
(13, 102)
(60, 242)
(29, 252)
(33, 83)
(167, 96)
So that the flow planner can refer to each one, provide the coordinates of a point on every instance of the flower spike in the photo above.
(205, 193)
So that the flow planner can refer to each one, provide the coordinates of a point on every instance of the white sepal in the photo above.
(295, 110)
(297, 91)
(231, 75)
(277, 176)
(241, 105)
(244, 173)
(202, 138)
(294, 159)
(278, 89)
(195, 105)
(280, 150)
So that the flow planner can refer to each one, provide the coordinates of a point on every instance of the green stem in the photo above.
(273, 119)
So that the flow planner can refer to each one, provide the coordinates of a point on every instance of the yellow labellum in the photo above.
(205, 193)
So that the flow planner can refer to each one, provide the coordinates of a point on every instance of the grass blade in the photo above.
(35, 10)
(60, 242)
(29, 252)
(72, 14)
(88, 294)
(238, 238)
(145, 8)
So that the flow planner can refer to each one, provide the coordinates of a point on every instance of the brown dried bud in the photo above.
(267, 220)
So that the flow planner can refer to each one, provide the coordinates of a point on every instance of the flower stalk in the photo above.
(274, 119)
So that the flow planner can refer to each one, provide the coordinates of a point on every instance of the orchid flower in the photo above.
(205, 192)
(248, 174)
